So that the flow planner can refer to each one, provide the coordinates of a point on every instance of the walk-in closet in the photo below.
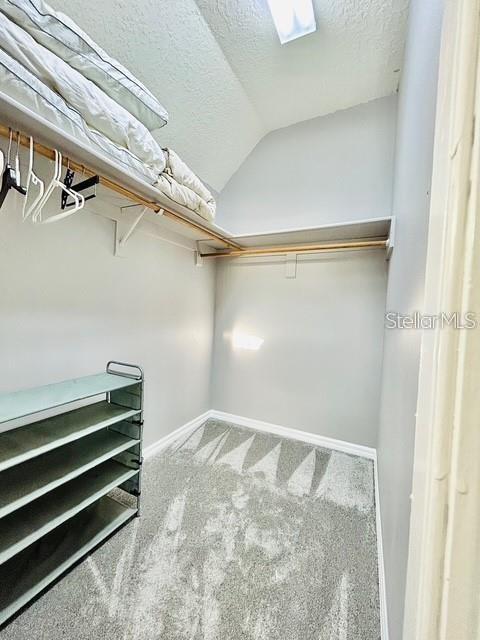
(238, 319)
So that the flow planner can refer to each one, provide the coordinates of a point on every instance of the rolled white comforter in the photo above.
(181, 185)
(63, 37)
(96, 115)
(98, 110)
(23, 87)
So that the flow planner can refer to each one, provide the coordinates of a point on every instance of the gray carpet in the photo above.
(244, 536)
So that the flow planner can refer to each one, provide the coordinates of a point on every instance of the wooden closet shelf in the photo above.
(122, 190)
(85, 159)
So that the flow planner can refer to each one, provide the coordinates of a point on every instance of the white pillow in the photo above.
(62, 36)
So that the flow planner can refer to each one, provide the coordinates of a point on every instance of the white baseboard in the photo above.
(156, 447)
(296, 434)
(268, 427)
(304, 436)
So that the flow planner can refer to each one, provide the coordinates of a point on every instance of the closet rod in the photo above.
(114, 186)
(348, 245)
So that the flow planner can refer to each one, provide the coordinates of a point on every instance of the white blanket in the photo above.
(63, 37)
(23, 87)
(93, 113)
(97, 109)
(181, 185)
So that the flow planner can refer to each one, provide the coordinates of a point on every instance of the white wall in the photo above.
(413, 168)
(67, 306)
(330, 169)
(319, 367)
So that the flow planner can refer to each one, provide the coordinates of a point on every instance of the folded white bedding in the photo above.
(63, 37)
(23, 87)
(26, 89)
(181, 185)
(97, 109)
(35, 77)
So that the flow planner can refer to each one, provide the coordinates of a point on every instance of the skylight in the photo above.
(293, 18)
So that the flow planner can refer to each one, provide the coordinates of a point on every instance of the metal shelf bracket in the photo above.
(391, 239)
(198, 255)
(291, 265)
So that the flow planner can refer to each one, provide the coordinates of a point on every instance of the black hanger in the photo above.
(9, 177)
(89, 183)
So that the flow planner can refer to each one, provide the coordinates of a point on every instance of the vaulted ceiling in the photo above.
(219, 68)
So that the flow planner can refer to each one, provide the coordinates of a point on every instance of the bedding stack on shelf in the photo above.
(48, 64)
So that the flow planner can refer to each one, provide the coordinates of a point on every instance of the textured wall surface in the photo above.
(67, 306)
(221, 72)
(319, 366)
(413, 169)
(168, 46)
(331, 169)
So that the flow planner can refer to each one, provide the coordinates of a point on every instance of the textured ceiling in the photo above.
(351, 58)
(219, 68)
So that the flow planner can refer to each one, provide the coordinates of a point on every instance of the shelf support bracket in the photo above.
(391, 239)
(198, 255)
(291, 265)
(125, 228)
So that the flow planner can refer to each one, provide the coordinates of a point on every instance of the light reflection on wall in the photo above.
(247, 341)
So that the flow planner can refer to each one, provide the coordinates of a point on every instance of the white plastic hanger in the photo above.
(56, 182)
(17, 162)
(37, 212)
(32, 179)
